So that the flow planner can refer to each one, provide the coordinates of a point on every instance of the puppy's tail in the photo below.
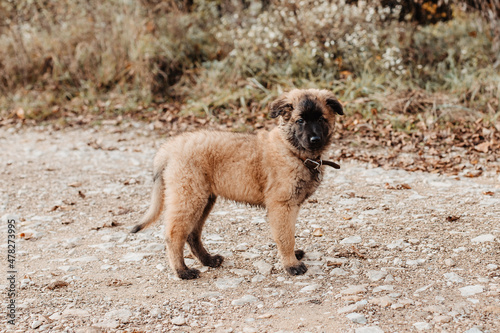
(157, 203)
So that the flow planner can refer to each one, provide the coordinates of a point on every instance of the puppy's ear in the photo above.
(278, 107)
(335, 106)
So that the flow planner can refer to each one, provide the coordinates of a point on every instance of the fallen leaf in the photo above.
(57, 284)
(318, 232)
(20, 113)
(489, 193)
(452, 218)
(81, 194)
(474, 174)
(75, 184)
(483, 147)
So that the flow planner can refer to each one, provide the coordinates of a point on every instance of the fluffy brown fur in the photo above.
(266, 169)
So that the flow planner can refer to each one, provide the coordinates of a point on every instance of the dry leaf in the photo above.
(20, 113)
(489, 193)
(75, 184)
(452, 218)
(81, 194)
(483, 147)
(318, 232)
(57, 284)
(474, 174)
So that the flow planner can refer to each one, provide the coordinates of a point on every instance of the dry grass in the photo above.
(218, 57)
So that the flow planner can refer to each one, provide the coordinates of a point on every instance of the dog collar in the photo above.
(314, 165)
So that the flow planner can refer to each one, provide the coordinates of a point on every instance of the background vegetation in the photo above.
(435, 60)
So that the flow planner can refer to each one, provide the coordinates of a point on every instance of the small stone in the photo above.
(278, 304)
(471, 290)
(375, 276)
(108, 324)
(241, 272)
(263, 267)
(250, 255)
(154, 247)
(69, 268)
(491, 267)
(123, 315)
(338, 272)
(229, 283)
(474, 330)
(55, 316)
(309, 288)
(351, 240)
(383, 302)
(453, 277)
(36, 324)
(135, 256)
(258, 278)
(357, 318)
(483, 238)
(449, 262)
(244, 300)
(352, 290)
(383, 288)
(369, 329)
(75, 313)
(241, 247)
(84, 259)
(442, 319)
(358, 306)
(422, 326)
(179, 321)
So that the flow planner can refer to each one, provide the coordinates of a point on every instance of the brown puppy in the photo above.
(277, 170)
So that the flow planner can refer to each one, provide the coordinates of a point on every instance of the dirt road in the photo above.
(387, 250)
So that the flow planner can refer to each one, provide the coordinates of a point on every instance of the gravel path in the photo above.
(387, 250)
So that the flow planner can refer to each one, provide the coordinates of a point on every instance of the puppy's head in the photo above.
(307, 118)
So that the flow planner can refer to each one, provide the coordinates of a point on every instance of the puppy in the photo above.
(276, 170)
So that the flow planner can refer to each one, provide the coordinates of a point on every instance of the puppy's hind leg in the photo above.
(183, 217)
(194, 239)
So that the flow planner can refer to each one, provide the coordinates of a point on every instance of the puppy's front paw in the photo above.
(299, 254)
(188, 274)
(298, 269)
(215, 261)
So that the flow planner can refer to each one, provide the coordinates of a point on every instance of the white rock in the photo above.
(75, 313)
(376, 275)
(309, 288)
(483, 238)
(471, 290)
(179, 320)
(383, 288)
(351, 240)
(258, 278)
(241, 247)
(154, 247)
(358, 306)
(108, 323)
(84, 259)
(67, 268)
(414, 263)
(473, 330)
(249, 255)
(36, 324)
(135, 256)
(338, 272)
(422, 326)
(123, 315)
(241, 272)
(491, 267)
(357, 318)
(229, 283)
(449, 262)
(263, 267)
(453, 277)
(244, 300)
(369, 329)
(352, 290)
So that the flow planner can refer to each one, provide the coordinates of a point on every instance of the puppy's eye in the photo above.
(300, 121)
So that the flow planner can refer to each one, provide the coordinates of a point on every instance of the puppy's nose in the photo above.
(315, 139)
